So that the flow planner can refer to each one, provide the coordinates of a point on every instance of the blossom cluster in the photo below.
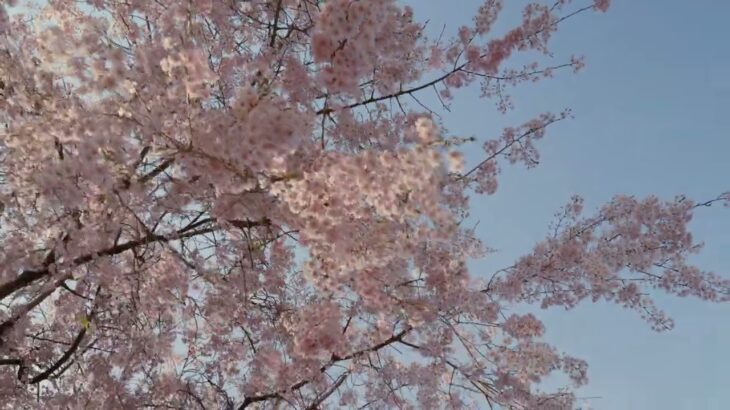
(219, 205)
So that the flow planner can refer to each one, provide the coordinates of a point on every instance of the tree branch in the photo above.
(67, 355)
(328, 393)
(29, 276)
(335, 359)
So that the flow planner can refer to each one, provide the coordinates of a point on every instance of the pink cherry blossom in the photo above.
(217, 205)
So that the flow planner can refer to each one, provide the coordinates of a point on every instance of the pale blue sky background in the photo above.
(652, 116)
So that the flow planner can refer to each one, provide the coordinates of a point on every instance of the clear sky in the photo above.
(652, 114)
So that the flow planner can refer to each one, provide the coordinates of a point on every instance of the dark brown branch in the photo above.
(15, 362)
(518, 75)
(487, 390)
(507, 146)
(156, 171)
(63, 359)
(443, 77)
(73, 292)
(324, 396)
(71, 350)
(29, 276)
(274, 27)
(335, 359)
(720, 198)
(9, 323)
(397, 94)
(10, 362)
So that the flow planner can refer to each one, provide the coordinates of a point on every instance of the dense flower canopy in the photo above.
(231, 204)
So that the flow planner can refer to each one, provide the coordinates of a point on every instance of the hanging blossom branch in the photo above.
(256, 216)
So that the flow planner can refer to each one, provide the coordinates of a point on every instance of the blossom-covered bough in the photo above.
(245, 204)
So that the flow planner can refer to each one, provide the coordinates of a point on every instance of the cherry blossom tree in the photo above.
(245, 204)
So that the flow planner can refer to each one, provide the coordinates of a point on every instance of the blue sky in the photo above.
(652, 116)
